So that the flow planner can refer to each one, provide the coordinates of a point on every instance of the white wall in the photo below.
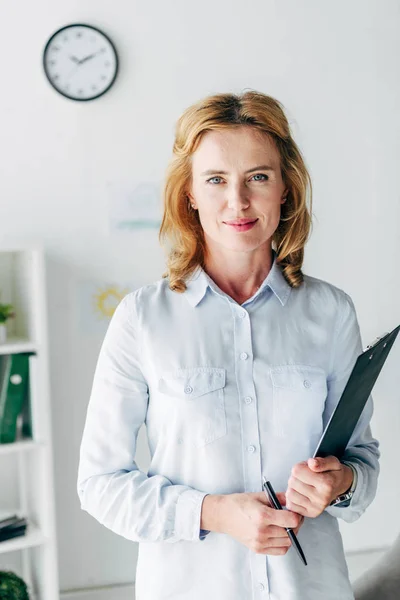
(334, 65)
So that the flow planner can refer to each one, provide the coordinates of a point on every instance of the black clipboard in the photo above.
(344, 418)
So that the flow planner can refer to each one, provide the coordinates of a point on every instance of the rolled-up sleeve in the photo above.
(110, 486)
(362, 450)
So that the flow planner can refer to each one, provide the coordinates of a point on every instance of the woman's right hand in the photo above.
(250, 519)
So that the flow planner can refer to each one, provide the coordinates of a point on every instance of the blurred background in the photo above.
(75, 175)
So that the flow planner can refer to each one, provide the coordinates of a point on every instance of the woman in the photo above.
(235, 361)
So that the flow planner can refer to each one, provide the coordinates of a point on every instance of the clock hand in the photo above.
(80, 62)
(87, 57)
(74, 59)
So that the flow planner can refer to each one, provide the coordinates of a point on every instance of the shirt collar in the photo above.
(198, 283)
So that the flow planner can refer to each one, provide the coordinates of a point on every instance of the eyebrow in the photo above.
(259, 168)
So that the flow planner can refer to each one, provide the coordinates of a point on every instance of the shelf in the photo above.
(15, 345)
(33, 537)
(19, 446)
(26, 474)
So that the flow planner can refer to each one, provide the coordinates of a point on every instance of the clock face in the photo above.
(80, 62)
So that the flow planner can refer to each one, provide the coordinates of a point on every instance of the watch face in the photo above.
(80, 62)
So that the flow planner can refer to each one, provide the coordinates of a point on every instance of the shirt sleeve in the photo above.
(110, 486)
(362, 450)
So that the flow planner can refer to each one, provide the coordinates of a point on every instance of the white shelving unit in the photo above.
(26, 466)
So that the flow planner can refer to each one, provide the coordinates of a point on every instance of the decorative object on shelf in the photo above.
(12, 587)
(6, 312)
(80, 62)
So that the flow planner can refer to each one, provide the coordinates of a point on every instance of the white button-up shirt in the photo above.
(229, 393)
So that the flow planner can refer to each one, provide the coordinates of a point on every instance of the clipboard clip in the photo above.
(376, 341)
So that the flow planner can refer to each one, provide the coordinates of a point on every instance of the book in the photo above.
(12, 533)
(8, 521)
(14, 387)
(11, 527)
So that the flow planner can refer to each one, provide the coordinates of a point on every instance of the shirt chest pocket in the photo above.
(299, 394)
(196, 404)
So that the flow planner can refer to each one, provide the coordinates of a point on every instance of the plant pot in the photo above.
(3, 333)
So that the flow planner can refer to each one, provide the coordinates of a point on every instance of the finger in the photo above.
(282, 498)
(307, 490)
(275, 551)
(280, 495)
(294, 498)
(299, 525)
(303, 473)
(329, 463)
(277, 532)
(299, 510)
(284, 518)
(279, 542)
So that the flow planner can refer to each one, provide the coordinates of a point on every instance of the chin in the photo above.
(243, 246)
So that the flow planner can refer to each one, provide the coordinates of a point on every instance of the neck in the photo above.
(239, 279)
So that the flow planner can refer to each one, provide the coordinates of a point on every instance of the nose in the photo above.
(237, 197)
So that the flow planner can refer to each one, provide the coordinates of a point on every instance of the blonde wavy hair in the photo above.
(180, 226)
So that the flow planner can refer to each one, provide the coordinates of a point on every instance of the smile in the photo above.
(242, 226)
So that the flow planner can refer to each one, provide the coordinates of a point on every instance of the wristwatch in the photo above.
(344, 499)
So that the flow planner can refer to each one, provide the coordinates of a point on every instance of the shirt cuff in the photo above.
(355, 475)
(188, 516)
(351, 512)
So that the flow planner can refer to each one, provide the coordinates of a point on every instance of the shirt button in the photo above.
(306, 383)
(251, 449)
(188, 389)
(261, 587)
(248, 399)
(244, 356)
(242, 314)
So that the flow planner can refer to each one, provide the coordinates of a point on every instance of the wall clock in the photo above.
(80, 62)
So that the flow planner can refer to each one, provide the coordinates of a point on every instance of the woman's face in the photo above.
(236, 176)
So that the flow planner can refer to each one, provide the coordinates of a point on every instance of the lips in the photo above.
(240, 221)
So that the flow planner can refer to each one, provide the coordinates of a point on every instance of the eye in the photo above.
(210, 180)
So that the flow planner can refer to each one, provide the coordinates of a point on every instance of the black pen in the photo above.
(269, 490)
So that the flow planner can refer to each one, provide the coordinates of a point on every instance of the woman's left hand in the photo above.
(313, 485)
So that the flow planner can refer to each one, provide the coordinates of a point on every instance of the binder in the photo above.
(344, 418)
(14, 387)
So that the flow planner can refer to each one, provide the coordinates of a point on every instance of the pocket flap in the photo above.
(192, 383)
(298, 377)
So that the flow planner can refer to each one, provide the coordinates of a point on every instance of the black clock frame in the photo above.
(92, 28)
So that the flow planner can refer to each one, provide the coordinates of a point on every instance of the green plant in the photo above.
(12, 587)
(6, 312)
